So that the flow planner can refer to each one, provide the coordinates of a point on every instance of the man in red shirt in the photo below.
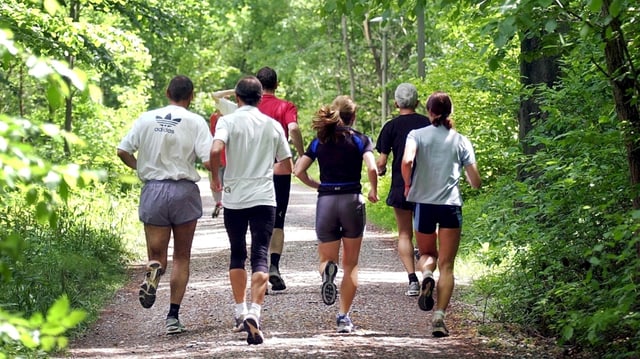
(287, 114)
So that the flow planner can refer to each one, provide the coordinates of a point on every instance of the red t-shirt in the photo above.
(282, 111)
(212, 127)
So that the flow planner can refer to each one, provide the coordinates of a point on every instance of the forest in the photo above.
(546, 90)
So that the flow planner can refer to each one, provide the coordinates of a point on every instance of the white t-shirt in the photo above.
(441, 155)
(252, 141)
(225, 106)
(168, 140)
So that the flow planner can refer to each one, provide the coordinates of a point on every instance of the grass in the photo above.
(83, 256)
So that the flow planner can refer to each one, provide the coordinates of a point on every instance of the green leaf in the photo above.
(74, 318)
(595, 5)
(567, 332)
(59, 309)
(615, 8)
(51, 6)
(42, 212)
(551, 25)
(54, 97)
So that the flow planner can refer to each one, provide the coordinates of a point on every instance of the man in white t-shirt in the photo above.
(251, 140)
(168, 140)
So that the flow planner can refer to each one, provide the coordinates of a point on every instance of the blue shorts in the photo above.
(340, 215)
(166, 203)
(427, 216)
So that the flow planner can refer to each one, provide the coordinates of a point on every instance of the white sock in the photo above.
(255, 309)
(438, 314)
(427, 273)
(240, 309)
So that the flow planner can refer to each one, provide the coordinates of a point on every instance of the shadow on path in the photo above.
(296, 323)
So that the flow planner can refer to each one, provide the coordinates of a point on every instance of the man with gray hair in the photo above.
(392, 139)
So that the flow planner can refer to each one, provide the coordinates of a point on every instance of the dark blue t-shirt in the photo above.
(340, 161)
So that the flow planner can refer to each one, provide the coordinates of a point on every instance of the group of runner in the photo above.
(250, 164)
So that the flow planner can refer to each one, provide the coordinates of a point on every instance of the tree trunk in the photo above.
(421, 38)
(534, 71)
(625, 88)
(347, 51)
(74, 13)
(374, 51)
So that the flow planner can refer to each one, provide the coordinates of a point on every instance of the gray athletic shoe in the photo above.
(344, 324)
(329, 291)
(413, 290)
(425, 300)
(147, 294)
(439, 329)
(252, 327)
(174, 326)
(239, 326)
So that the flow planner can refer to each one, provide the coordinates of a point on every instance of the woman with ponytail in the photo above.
(433, 160)
(340, 210)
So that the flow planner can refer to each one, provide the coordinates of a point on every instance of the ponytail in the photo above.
(439, 103)
(325, 122)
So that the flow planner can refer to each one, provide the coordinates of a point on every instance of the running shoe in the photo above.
(149, 287)
(216, 211)
(439, 329)
(174, 326)
(329, 291)
(277, 283)
(252, 327)
(239, 324)
(344, 324)
(425, 300)
(413, 290)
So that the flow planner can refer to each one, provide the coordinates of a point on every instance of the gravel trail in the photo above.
(296, 323)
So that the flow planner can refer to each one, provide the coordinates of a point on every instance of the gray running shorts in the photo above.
(168, 202)
(340, 215)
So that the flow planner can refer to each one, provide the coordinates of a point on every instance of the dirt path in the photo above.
(296, 323)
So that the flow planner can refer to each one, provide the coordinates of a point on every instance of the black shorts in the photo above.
(427, 216)
(396, 199)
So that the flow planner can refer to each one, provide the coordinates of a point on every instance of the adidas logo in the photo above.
(166, 123)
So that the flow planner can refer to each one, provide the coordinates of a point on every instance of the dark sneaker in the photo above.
(329, 291)
(425, 300)
(413, 290)
(277, 283)
(174, 326)
(344, 324)
(439, 329)
(216, 211)
(252, 327)
(239, 326)
(150, 285)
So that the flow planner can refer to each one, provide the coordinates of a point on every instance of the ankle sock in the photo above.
(240, 309)
(413, 277)
(427, 273)
(438, 314)
(173, 310)
(255, 309)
